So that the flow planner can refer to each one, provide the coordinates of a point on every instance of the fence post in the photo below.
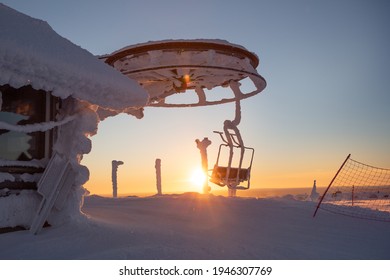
(331, 182)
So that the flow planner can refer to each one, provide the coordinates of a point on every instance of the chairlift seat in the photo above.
(218, 176)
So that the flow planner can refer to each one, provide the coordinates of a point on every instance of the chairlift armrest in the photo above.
(221, 135)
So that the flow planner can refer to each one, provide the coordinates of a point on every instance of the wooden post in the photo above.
(158, 176)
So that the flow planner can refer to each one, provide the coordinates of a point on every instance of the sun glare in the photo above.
(198, 178)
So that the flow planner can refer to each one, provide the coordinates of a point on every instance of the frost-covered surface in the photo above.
(6, 177)
(163, 72)
(114, 176)
(19, 210)
(213, 41)
(31, 163)
(28, 128)
(25, 177)
(72, 142)
(193, 226)
(32, 53)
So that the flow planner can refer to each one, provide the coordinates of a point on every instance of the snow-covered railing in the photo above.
(29, 128)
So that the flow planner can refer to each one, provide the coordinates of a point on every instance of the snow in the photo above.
(32, 163)
(153, 66)
(6, 177)
(189, 41)
(18, 210)
(32, 53)
(25, 177)
(28, 128)
(194, 226)
(186, 226)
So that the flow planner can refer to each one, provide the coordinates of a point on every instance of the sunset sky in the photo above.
(327, 69)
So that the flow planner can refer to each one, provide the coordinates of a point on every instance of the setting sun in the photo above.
(198, 177)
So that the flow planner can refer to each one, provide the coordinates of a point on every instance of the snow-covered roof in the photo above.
(32, 53)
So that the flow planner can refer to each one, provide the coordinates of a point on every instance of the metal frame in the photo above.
(169, 65)
(227, 181)
(149, 74)
(196, 45)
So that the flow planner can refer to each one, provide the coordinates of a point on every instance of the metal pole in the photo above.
(331, 182)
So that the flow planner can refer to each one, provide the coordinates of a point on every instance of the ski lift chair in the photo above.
(227, 175)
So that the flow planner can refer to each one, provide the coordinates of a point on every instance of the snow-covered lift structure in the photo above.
(165, 68)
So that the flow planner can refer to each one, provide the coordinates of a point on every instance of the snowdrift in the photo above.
(194, 226)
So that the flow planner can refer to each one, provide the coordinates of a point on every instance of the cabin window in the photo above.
(20, 107)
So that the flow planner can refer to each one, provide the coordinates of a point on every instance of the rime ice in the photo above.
(34, 59)
(114, 176)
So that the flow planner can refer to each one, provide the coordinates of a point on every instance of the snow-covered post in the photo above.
(115, 164)
(158, 176)
(202, 146)
(314, 194)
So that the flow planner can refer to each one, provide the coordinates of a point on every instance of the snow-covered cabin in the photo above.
(52, 96)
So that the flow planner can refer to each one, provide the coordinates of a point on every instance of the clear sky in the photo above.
(327, 69)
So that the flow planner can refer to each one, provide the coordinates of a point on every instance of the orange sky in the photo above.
(174, 143)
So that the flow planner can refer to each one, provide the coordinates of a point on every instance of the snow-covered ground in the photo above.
(194, 226)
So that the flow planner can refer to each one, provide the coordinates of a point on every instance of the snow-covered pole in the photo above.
(158, 176)
(232, 125)
(115, 164)
(314, 194)
(202, 146)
